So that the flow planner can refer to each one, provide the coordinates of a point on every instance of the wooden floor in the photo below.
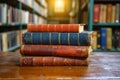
(102, 66)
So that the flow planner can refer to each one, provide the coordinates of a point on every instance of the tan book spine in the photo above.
(94, 36)
(109, 38)
(113, 14)
(5, 44)
(109, 13)
(104, 13)
(101, 13)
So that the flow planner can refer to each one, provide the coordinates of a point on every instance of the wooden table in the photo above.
(102, 66)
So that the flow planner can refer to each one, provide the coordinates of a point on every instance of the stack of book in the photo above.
(56, 45)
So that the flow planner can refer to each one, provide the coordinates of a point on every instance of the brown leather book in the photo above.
(56, 50)
(109, 13)
(55, 27)
(51, 61)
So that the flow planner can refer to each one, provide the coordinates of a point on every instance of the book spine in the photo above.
(55, 27)
(51, 61)
(56, 50)
(117, 13)
(109, 38)
(104, 13)
(82, 39)
(96, 13)
(116, 39)
(101, 13)
(5, 42)
(113, 14)
(94, 45)
(109, 13)
(103, 38)
(98, 40)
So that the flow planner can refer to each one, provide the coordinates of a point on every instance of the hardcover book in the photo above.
(108, 38)
(96, 13)
(80, 39)
(55, 27)
(94, 45)
(80, 52)
(103, 38)
(51, 61)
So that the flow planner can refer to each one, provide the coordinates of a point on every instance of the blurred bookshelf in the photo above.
(103, 18)
(14, 17)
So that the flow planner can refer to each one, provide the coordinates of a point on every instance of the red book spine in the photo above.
(56, 50)
(55, 27)
(51, 61)
(96, 13)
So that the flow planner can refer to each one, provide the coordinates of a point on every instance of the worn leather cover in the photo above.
(56, 50)
(79, 39)
(55, 27)
(51, 61)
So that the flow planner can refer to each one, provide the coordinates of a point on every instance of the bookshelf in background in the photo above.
(104, 20)
(14, 17)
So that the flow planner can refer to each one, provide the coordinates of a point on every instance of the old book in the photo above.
(101, 13)
(96, 13)
(94, 45)
(56, 50)
(3, 13)
(103, 38)
(108, 38)
(51, 61)
(113, 14)
(5, 42)
(82, 39)
(117, 13)
(116, 39)
(55, 27)
(109, 13)
(104, 13)
(98, 40)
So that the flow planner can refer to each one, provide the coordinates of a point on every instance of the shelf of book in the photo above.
(107, 24)
(12, 24)
(13, 48)
(101, 50)
(104, 19)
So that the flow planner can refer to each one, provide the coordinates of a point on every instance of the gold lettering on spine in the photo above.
(50, 38)
(68, 38)
(59, 38)
(41, 38)
(32, 38)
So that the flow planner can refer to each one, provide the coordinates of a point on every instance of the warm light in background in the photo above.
(59, 6)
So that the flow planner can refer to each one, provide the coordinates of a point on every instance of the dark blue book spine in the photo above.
(56, 38)
(103, 38)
